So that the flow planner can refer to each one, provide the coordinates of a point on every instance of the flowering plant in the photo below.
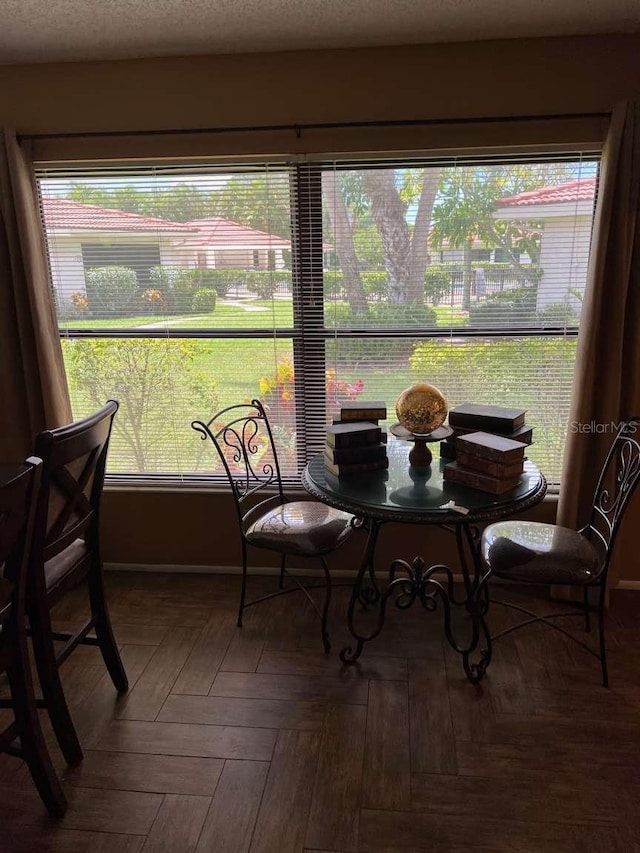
(278, 397)
(79, 301)
(154, 298)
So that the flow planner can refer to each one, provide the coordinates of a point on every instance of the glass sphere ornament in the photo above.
(421, 408)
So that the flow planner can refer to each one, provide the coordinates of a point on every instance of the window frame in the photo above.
(309, 331)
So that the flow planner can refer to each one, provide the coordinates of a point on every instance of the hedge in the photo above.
(111, 291)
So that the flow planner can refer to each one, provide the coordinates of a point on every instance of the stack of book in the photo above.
(487, 462)
(497, 420)
(355, 441)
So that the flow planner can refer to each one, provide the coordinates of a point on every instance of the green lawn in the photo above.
(451, 315)
(228, 371)
(256, 314)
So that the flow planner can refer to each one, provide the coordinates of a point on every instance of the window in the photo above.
(182, 290)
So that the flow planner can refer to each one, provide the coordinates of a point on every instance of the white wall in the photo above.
(564, 257)
(67, 271)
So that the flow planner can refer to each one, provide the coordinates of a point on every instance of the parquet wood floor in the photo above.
(252, 741)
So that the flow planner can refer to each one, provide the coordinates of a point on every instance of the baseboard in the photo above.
(229, 570)
(274, 572)
(220, 570)
(628, 585)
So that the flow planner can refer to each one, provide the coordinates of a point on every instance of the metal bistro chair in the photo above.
(534, 553)
(244, 441)
(17, 511)
(66, 552)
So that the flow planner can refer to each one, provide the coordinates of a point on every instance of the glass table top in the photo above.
(418, 495)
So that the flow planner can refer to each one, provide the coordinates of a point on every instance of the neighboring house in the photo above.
(84, 236)
(223, 244)
(565, 212)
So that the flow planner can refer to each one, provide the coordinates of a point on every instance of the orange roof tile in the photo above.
(232, 235)
(65, 214)
(583, 189)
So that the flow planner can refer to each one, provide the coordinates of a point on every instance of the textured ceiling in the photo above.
(37, 31)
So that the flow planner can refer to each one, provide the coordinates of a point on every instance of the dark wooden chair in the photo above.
(534, 553)
(267, 518)
(24, 736)
(66, 552)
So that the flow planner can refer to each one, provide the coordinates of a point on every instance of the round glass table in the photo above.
(407, 495)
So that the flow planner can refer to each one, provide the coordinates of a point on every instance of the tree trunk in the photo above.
(419, 257)
(467, 276)
(388, 214)
(344, 247)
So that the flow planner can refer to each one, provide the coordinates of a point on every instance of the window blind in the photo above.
(183, 289)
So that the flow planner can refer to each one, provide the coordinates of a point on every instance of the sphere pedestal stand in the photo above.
(420, 455)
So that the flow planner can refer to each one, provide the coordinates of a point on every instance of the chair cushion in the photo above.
(533, 552)
(57, 567)
(307, 528)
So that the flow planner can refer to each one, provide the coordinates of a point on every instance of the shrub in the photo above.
(509, 308)
(278, 394)
(221, 281)
(204, 301)
(375, 284)
(153, 301)
(264, 286)
(492, 372)
(558, 314)
(180, 284)
(437, 283)
(79, 301)
(176, 292)
(197, 279)
(152, 378)
(265, 282)
(333, 284)
(111, 291)
(353, 350)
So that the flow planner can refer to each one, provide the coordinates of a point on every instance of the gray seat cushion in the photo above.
(533, 552)
(57, 567)
(306, 528)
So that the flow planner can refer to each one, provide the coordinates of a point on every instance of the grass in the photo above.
(235, 367)
(242, 363)
(248, 314)
(451, 315)
(264, 314)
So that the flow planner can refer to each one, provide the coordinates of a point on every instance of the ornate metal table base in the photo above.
(432, 586)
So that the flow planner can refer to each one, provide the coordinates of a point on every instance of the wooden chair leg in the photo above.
(34, 748)
(587, 615)
(104, 631)
(51, 685)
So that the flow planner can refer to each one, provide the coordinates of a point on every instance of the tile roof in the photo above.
(65, 214)
(583, 189)
(232, 235)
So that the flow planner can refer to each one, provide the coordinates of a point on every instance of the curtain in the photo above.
(607, 376)
(33, 386)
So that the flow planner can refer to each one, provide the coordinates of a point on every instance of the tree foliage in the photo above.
(154, 381)
(259, 201)
(466, 203)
